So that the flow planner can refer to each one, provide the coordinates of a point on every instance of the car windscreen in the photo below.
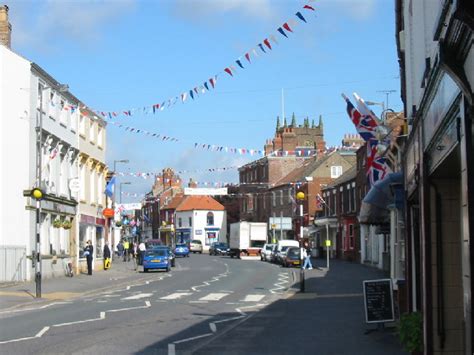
(196, 241)
(269, 247)
(221, 245)
(293, 252)
(284, 249)
(181, 246)
(156, 252)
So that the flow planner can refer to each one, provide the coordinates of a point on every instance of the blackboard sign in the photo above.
(378, 301)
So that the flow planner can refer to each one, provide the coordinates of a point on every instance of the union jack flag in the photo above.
(377, 167)
(365, 124)
(320, 202)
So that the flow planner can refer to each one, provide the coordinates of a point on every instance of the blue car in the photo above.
(156, 259)
(181, 250)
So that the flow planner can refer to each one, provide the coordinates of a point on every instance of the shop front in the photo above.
(93, 229)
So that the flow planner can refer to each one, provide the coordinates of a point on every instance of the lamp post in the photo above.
(300, 198)
(39, 144)
(120, 189)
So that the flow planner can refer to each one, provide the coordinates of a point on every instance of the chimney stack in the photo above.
(5, 27)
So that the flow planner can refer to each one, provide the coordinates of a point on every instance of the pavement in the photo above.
(17, 295)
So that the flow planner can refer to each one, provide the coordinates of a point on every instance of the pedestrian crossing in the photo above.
(197, 297)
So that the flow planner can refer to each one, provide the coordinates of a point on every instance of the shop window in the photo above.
(99, 241)
(351, 236)
(211, 237)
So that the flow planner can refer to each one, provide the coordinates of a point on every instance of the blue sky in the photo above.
(123, 54)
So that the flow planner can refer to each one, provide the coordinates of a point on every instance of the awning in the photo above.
(385, 194)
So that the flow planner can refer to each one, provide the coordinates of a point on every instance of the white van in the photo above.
(287, 243)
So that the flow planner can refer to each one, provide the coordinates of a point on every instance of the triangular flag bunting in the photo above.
(282, 31)
(267, 43)
(308, 7)
(239, 63)
(287, 27)
(247, 56)
(228, 71)
(261, 47)
(298, 14)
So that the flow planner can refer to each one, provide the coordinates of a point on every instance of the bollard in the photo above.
(302, 280)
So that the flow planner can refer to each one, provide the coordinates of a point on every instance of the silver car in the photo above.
(266, 252)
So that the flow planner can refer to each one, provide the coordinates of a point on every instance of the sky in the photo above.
(117, 55)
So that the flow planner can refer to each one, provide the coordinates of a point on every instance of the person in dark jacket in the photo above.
(107, 255)
(89, 253)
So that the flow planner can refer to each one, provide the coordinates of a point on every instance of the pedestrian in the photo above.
(126, 246)
(307, 257)
(120, 249)
(107, 260)
(89, 253)
(142, 249)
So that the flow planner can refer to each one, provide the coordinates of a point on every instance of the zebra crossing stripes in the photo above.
(253, 298)
(175, 296)
(214, 297)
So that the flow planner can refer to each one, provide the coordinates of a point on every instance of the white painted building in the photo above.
(30, 98)
(92, 200)
(201, 218)
(24, 88)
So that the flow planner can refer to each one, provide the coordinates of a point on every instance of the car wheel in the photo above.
(145, 269)
(200, 252)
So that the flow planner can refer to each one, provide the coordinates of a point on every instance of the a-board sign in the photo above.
(378, 301)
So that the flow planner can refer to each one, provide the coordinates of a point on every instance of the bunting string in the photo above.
(264, 47)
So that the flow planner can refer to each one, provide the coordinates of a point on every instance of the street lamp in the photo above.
(39, 144)
(300, 198)
(120, 189)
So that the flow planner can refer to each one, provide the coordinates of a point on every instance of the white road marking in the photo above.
(253, 298)
(198, 302)
(175, 296)
(213, 327)
(34, 308)
(193, 338)
(138, 296)
(213, 297)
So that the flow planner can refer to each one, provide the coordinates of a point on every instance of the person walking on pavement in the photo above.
(307, 257)
(120, 249)
(89, 253)
(141, 249)
(107, 255)
(126, 250)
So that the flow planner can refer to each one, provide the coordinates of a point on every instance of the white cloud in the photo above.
(203, 9)
(40, 25)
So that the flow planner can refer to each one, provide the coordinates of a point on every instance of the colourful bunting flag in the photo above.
(267, 43)
(282, 31)
(300, 16)
(213, 82)
(287, 27)
(228, 71)
(247, 56)
(239, 63)
(261, 47)
(308, 7)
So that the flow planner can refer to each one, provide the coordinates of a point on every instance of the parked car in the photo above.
(292, 257)
(218, 248)
(281, 254)
(265, 254)
(181, 250)
(195, 246)
(273, 253)
(171, 256)
(157, 258)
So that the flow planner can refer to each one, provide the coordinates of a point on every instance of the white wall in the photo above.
(17, 141)
(199, 223)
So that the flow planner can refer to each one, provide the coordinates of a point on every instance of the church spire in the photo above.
(320, 124)
(278, 124)
(293, 120)
(284, 123)
(312, 124)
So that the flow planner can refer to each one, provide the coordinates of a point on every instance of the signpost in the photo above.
(378, 301)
